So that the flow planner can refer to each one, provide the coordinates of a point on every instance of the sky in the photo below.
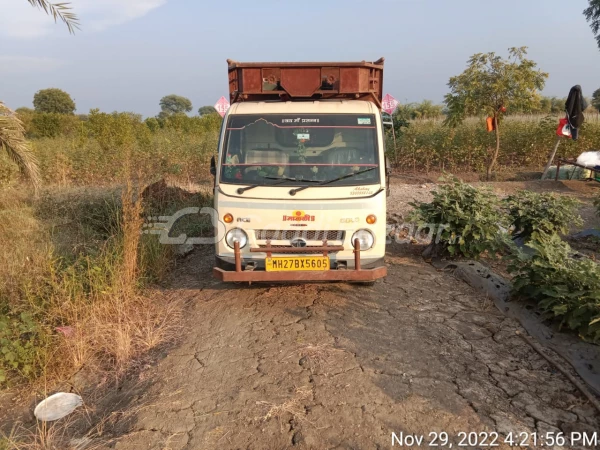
(130, 53)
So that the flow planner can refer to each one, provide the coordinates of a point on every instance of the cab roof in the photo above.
(305, 107)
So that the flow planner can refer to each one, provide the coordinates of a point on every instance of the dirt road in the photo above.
(336, 366)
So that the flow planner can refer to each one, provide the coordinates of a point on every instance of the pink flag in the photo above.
(389, 104)
(222, 106)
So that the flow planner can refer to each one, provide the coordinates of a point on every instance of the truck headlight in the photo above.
(236, 235)
(365, 239)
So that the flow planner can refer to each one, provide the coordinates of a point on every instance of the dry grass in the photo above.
(49, 436)
(113, 331)
(318, 356)
(93, 431)
(293, 406)
(84, 296)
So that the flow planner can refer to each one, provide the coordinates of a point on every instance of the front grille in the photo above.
(308, 249)
(309, 235)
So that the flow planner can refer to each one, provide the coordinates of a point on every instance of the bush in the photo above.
(532, 213)
(52, 125)
(597, 205)
(22, 344)
(565, 288)
(470, 219)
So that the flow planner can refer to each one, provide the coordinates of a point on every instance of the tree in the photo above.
(13, 142)
(60, 11)
(489, 85)
(545, 105)
(53, 101)
(175, 104)
(424, 110)
(592, 15)
(205, 110)
(596, 99)
(24, 110)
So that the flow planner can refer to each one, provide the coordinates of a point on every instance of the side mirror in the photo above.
(213, 166)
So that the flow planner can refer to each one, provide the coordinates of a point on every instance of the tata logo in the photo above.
(299, 243)
(349, 220)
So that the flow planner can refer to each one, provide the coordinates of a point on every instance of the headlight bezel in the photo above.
(238, 233)
(370, 237)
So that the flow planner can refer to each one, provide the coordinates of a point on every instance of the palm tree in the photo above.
(60, 11)
(12, 132)
(592, 15)
(12, 140)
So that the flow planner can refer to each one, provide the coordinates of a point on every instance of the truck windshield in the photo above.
(299, 148)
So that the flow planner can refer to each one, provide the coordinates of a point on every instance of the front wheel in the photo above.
(364, 283)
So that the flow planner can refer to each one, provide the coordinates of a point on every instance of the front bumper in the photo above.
(253, 272)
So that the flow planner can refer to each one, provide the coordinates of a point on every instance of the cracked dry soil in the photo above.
(338, 366)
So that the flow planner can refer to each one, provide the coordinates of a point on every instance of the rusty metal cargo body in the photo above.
(271, 81)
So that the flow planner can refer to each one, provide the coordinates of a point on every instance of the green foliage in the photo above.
(532, 213)
(116, 131)
(204, 110)
(490, 82)
(565, 288)
(152, 123)
(53, 101)
(175, 104)
(427, 145)
(52, 125)
(424, 110)
(470, 219)
(193, 125)
(547, 105)
(22, 341)
(94, 157)
(592, 15)
(596, 99)
(23, 110)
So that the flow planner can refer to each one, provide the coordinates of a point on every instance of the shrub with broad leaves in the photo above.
(532, 213)
(469, 220)
(565, 288)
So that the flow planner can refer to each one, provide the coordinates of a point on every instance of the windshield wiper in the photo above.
(281, 180)
(294, 191)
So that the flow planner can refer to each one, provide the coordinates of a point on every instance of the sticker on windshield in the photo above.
(302, 136)
(364, 121)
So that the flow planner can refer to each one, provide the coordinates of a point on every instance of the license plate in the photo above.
(315, 263)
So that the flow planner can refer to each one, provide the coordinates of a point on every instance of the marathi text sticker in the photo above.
(299, 216)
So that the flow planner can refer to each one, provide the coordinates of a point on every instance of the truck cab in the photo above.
(300, 179)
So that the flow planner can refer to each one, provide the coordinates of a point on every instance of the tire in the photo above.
(364, 283)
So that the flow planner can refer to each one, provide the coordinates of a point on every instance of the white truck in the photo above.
(300, 177)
